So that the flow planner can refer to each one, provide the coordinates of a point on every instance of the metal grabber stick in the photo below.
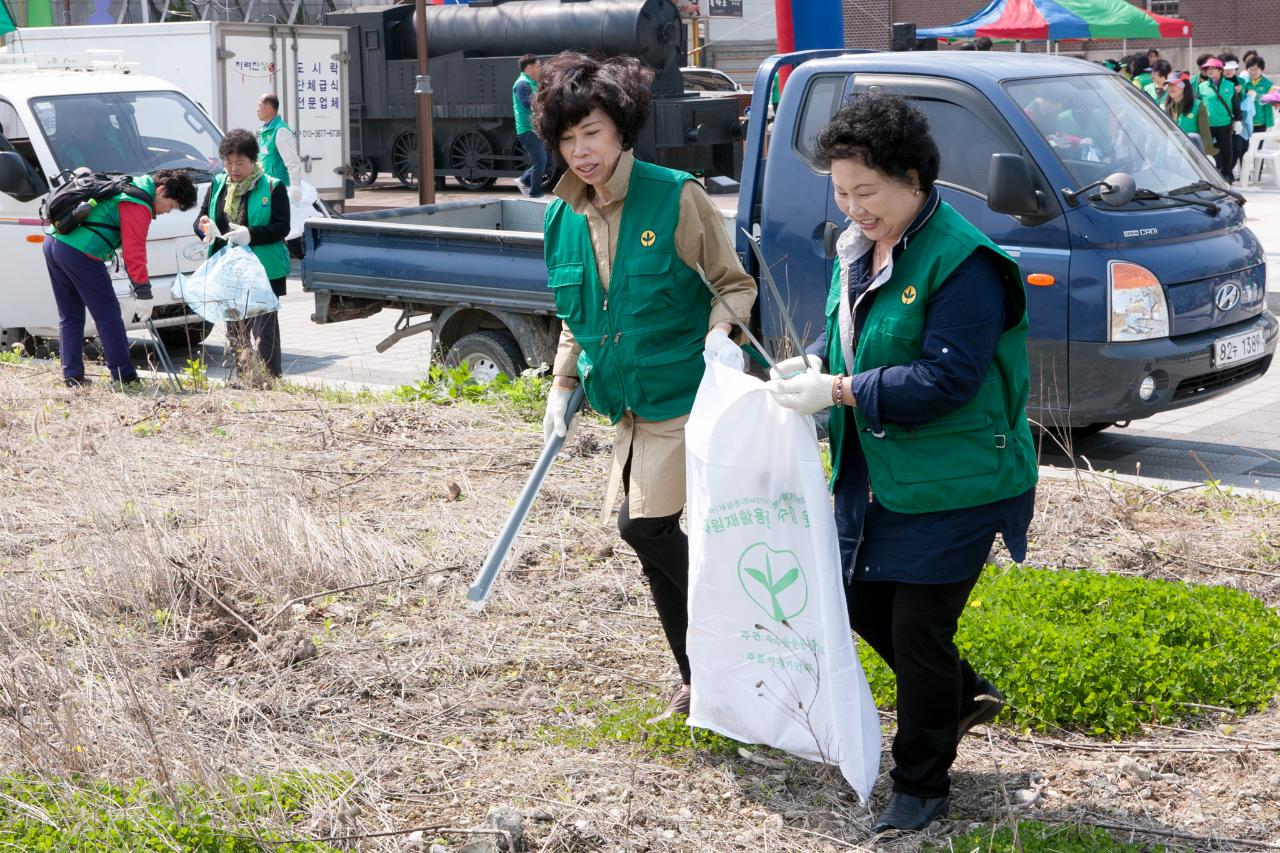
(483, 584)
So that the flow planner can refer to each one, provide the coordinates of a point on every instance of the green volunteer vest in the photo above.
(1265, 115)
(642, 340)
(268, 154)
(524, 117)
(99, 235)
(1157, 95)
(983, 451)
(274, 256)
(1217, 100)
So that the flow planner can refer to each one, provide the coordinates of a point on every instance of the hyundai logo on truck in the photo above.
(1227, 297)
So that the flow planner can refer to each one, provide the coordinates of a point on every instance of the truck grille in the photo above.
(1210, 383)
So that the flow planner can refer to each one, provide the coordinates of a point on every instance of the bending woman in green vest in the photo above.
(250, 209)
(627, 246)
(923, 366)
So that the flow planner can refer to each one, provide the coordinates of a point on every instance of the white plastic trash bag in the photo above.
(231, 285)
(769, 644)
(304, 209)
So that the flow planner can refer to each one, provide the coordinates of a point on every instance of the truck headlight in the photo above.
(1138, 310)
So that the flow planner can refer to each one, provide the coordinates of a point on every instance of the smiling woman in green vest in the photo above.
(923, 366)
(627, 246)
(251, 209)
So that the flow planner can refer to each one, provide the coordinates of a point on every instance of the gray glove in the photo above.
(142, 291)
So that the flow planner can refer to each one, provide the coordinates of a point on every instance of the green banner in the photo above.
(40, 13)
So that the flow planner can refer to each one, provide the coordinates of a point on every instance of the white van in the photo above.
(56, 112)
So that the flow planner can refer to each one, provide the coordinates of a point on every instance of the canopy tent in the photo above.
(1054, 20)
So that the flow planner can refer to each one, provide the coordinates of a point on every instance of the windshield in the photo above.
(1098, 124)
(129, 132)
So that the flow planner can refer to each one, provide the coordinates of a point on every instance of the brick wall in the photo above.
(1219, 25)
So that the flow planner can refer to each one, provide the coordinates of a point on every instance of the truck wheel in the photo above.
(363, 172)
(487, 354)
(185, 337)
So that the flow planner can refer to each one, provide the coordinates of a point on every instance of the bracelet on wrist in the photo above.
(837, 391)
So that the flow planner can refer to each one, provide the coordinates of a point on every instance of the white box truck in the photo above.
(226, 67)
(55, 114)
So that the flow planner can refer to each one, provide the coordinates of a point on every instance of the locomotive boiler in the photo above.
(474, 51)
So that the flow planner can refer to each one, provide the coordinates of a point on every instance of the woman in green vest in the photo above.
(627, 245)
(1188, 112)
(250, 209)
(923, 366)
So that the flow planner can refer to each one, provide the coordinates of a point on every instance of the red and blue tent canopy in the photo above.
(1054, 20)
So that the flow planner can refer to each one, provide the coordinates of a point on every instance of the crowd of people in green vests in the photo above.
(1225, 101)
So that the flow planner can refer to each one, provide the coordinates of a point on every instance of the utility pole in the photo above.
(426, 153)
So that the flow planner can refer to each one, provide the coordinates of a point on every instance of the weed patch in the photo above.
(1103, 654)
(84, 814)
(525, 395)
(1030, 836)
(625, 723)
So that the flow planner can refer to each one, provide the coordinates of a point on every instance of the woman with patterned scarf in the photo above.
(250, 209)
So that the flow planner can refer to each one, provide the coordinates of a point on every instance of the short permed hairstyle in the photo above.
(1256, 61)
(573, 84)
(238, 141)
(178, 186)
(884, 133)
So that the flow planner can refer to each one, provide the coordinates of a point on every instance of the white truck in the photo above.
(57, 114)
(227, 66)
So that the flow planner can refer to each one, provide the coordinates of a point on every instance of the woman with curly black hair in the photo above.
(627, 246)
(923, 366)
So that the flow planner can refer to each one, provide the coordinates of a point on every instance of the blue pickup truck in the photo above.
(1145, 289)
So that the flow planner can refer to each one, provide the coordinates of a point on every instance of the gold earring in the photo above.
(916, 192)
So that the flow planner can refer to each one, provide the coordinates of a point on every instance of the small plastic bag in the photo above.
(303, 210)
(230, 285)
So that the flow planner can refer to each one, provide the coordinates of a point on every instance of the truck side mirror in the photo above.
(17, 178)
(1010, 188)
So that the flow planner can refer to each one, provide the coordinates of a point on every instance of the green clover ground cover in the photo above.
(1031, 836)
(86, 814)
(1102, 654)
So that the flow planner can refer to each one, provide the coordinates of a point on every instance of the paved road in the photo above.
(1234, 439)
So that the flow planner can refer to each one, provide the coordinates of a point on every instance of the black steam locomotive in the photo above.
(474, 51)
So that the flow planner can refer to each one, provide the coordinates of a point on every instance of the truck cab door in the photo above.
(798, 221)
(969, 129)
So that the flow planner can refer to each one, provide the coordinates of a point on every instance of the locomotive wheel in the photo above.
(363, 171)
(471, 151)
(404, 158)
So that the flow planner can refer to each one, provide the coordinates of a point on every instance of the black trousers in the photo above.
(1226, 150)
(913, 627)
(663, 549)
(265, 329)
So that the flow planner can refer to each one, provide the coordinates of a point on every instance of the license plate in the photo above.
(1237, 348)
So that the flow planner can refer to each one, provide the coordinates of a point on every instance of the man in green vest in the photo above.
(77, 269)
(1260, 84)
(522, 93)
(278, 154)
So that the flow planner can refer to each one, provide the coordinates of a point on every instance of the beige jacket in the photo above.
(656, 448)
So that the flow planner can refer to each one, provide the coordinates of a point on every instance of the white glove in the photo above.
(238, 235)
(553, 421)
(807, 393)
(1236, 126)
(720, 348)
(797, 364)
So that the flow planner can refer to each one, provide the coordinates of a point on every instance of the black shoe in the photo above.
(679, 704)
(906, 813)
(77, 381)
(986, 705)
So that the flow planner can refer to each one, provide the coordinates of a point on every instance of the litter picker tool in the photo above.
(738, 321)
(797, 345)
(162, 353)
(478, 594)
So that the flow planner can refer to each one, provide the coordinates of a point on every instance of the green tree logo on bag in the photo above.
(774, 581)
